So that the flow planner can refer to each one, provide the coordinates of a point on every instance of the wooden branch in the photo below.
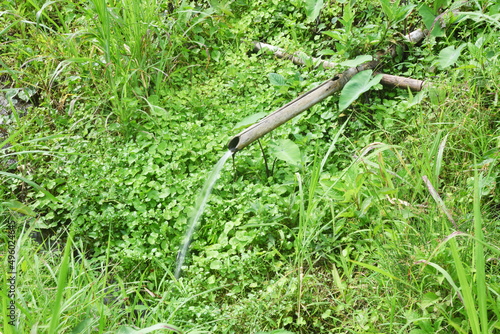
(387, 79)
(402, 82)
(295, 58)
(416, 36)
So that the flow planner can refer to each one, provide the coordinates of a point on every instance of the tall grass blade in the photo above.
(445, 275)
(8, 70)
(302, 224)
(337, 280)
(334, 142)
(480, 271)
(480, 17)
(61, 285)
(439, 159)
(438, 199)
(19, 207)
(31, 183)
(13, 136)
(468, 299)
(381, 271)
(11, 272)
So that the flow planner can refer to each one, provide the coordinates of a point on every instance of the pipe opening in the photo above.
(233, 144)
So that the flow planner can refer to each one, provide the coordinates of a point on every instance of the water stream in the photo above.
(198, 210)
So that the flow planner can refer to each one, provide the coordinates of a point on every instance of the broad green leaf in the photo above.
(356, 61)
(358, 84)
(286, 150)
(335, 35)
(216, 265)
(429, 18)
(402, 12)
(313, 7)
(222, 7)
(327, 52)
(414, 100)
(387, 9)
(430, 298)
(215, 55)
(365, 206)
(480, 41)
(449, 56)
(83, 326)
(277, 79)
(440, 3)
(437, 95)
(249, 120)
(308, 60)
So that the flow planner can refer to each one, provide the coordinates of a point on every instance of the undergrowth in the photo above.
(382, 217)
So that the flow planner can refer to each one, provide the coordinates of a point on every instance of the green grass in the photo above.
(382, 218)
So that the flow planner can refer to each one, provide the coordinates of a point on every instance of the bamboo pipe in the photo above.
(295, 107)
(307, 100)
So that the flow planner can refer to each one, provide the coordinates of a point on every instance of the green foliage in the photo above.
(313, 8)
(430, 19)
(277, 79)
(249, 120)
(395, 12)
(61, 285)
(129, 330)
(449, 56)
(358, 84)
(353, 229)
(286, 150)
(357, 61)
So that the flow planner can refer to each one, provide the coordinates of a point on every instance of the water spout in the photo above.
(198, 211)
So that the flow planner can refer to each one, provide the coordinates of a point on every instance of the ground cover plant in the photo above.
(374, 213)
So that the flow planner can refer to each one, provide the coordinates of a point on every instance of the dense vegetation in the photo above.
(382, 218)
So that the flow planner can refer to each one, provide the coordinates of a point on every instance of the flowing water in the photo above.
(198, 211)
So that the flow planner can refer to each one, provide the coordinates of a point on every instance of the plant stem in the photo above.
(265, 159)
